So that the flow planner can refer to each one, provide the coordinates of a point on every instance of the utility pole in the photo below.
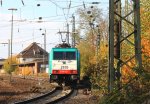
(118, 38)
(8, 47)
(98, 39)
(44, 34)
(97, 50)
(67, 33)
(44, 54)
(117, 44)
(73, 31)
(12, 9)
(111, 70)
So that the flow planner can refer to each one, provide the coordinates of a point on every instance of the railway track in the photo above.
(55, 96)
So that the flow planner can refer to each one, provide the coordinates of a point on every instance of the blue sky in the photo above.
(55, 14)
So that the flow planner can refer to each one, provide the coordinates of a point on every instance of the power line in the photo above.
(22, 2)
(55, 4)
(1, 3)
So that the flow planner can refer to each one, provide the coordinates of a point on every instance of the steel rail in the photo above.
(36, 98)
(49, 98)
(61, 98)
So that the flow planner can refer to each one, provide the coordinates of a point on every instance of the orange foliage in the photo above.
(128, 73)
(26, 71)
(146, 47)
(93, 60)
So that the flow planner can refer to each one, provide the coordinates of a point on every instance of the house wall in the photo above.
(27, 70)
(39, 69)
(31, 68)
(21, 60)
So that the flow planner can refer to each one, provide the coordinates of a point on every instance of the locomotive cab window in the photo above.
(64, 56)
(70, 56)
(58, 56)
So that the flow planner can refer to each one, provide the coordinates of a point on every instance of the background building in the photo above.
(33, 60)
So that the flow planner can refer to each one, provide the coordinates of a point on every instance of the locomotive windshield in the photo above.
(58, 56)
(64, 56)
(70, 56)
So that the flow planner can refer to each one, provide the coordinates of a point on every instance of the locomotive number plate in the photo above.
(64, 67)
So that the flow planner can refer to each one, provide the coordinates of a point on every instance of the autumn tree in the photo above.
(145, 33)
(9, 64)
(93, 59)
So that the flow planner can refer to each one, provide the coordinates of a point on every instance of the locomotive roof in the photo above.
(63, 45)
(64, 49)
